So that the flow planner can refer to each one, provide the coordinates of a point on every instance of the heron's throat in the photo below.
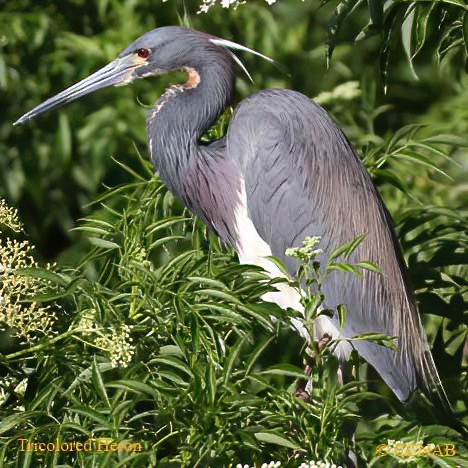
(193, 79)
(186, 111)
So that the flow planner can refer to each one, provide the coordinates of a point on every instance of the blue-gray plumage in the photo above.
(284, 171)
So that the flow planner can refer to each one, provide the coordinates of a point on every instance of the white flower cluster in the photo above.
(318, 464)
(9, 217)
(207, 4)
(119, 345)
(310, 464)
(87, 323)
(272, 464)
(18, 310)
(307, 251)
(343, 92)
(115, 341)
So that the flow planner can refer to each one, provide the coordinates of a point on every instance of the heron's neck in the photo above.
(181, 116)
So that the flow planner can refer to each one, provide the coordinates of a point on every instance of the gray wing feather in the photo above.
(302, 178)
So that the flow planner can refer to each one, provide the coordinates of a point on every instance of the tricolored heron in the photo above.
(283, 171)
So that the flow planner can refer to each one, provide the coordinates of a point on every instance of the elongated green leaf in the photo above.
(407, 36)
(368, 266)
(341, 12)
(99, 383)
(134, 387)
(287, 370)
(275, 439)
(9, 422)
(348, 248)
(93, 415)
(103, 244)
(44, 274)
(173, 361)
(380, 338)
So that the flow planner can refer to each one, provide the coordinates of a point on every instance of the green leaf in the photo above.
(375, 337)
(287, 370)
(229, 298)
(170, 350)
(44, 274)
(9, 422)
(279, 264)
(407, 36)
(253, 358)
(341, 12)
(345, 268)
(134, 387)
(173, 361)
(341, 310)
(92, 414)
(165, 224)
(103, 244)
(99, 383)
(368, 266)
(348, 248)
(465, 32)
(272, 438)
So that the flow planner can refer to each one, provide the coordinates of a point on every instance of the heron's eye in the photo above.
(143, 53)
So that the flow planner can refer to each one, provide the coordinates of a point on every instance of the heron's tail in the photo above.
(430, 402)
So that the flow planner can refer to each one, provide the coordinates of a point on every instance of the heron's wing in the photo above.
(303, 179)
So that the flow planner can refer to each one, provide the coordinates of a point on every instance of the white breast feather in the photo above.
(253, 250)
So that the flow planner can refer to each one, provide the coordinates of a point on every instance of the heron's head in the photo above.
(159, 51)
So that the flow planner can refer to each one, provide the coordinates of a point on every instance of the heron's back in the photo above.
(302, 178)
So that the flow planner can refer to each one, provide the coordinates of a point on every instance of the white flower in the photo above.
(119, 345)
(18, 311)
(343, 92)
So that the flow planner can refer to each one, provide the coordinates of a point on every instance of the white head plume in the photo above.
(235, 46)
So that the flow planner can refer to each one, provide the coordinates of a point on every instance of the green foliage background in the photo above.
(200, 380)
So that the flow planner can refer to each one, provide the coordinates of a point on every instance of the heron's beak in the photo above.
(119, 71)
